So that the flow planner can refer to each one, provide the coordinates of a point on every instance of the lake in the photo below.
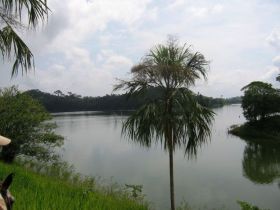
(226, 169)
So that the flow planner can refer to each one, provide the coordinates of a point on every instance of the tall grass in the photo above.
(44, 192)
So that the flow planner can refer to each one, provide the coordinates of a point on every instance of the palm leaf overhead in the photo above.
(36, 10)
(11, 45)
(173, 118)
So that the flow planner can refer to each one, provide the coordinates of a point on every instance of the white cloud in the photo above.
(112, 61)
(217, 8)
(86, 44)
(80, 75)
(270, 75)
(199, 11)
(274, 38)
(203, 11)
(175, 4)
(73, 66)
(276, 61)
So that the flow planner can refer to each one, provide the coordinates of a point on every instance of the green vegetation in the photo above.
(247, 206)
(13, 15)
(243, 206)
(216, 102)
(260, 100)
(267, 130)
(23, 120)
(173, 118)
(261, 108)
(60, 102)
(33, 192)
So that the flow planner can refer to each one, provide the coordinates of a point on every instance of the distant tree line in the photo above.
(68, 102)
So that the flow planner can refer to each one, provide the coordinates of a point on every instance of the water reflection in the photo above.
(261, 162)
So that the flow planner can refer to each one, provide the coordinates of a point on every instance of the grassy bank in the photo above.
(38, 192)
(262, 130)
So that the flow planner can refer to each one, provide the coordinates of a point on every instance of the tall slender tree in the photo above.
(12, 14)
(173, 118)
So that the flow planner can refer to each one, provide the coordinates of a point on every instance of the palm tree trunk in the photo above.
(171, 175)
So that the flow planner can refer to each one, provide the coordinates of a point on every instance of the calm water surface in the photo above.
(226, 169)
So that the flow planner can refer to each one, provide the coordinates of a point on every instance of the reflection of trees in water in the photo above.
(261, 162)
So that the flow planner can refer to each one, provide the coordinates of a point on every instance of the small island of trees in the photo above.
(261, 108)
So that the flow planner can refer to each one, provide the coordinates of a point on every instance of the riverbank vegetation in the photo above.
(26, 122)
(70, 102)
(51, 192)
(42, 180)
(246, 206)
(58, 186)
(267, 129)
(261, 108)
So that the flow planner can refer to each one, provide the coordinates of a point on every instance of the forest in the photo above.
(69, 102)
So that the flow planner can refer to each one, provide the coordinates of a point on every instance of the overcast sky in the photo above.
(87, 44)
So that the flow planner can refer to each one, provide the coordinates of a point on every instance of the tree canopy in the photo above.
(260, 100)
(63, 102)
(24, 120)
(12, 17)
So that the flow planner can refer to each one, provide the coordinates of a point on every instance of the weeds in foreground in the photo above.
(66, 191)
(59, 187)
(246, 206)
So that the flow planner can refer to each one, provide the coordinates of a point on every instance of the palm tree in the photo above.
(12, 46)
(173, 118)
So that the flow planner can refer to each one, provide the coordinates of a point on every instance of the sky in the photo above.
(87, 44)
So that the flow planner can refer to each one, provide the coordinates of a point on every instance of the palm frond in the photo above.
(11, 43)
(145, 125)
(192, 124)
(9, 19)
(36, 9)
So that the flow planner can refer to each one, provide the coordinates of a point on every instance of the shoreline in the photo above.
(267, 130)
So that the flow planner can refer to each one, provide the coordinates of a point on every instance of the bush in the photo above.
(247, 206)
(25, 121)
